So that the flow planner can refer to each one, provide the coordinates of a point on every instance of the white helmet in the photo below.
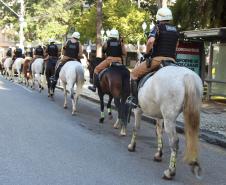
(114, 34)
(51, 40)
(164, 14)
(76, 35)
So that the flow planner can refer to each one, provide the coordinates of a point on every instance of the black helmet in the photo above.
(18, 52)
(9, 52)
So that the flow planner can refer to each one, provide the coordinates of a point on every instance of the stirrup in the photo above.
(131, 101)
(92, 88)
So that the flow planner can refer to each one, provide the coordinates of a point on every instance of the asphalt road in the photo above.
(42, 144)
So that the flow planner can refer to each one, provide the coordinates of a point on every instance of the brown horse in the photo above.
(114, 82)
(26, 72)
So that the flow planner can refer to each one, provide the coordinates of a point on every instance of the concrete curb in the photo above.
(206, 135)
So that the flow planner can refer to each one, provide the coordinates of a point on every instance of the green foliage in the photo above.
(196, 14)
(122, 15)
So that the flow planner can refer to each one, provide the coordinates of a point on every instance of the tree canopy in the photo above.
(56, 18)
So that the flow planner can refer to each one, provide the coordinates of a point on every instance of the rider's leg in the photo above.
(134, 92)
(95, 82)
(97, 70)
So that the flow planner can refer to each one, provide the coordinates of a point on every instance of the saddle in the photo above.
(113, 66)
(164, 63)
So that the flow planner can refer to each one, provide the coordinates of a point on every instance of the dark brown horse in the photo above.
(114, 82)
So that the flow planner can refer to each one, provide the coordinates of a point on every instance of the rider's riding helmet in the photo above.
(114, 34)
(164, 14)
(18, 52)
(51, 40)
(76, 35)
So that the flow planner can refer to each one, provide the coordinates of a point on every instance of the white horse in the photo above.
(17, 66)
(164, 96)
(72, 73)
(36, 71)
(8, 67)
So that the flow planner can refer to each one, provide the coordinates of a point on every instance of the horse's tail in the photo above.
(191, 110)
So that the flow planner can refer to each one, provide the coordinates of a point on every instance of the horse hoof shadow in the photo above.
(101, 120)
(110, 117)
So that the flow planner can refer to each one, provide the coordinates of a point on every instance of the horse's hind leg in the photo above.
(109, 107)
(170, 129)
(118, 121)
(65, 95)
(101, 96)
(74, 97)
(132, 145)
(159, 131)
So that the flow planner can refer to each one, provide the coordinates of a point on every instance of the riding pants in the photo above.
(141, 69)
(106, 63)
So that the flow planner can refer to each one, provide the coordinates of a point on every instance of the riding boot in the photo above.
(56, 76)
(95, 83)
(132, 101)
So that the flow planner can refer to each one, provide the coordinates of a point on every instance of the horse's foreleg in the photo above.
(132, 145)
(65, 95)
(170, 129)
(159, 130)
(74, 97)
(109, 107)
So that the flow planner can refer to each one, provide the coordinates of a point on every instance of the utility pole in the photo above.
(98, 29)
(21, 20)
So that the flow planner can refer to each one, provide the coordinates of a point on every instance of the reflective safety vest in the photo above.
(166, 41)
(114, 48)
(72, 49)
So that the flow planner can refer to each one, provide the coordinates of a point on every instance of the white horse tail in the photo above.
(191, 110)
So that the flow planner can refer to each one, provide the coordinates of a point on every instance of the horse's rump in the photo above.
(116, 79)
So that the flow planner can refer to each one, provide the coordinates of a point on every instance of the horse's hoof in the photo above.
(49, 95)
(168, 174)
(116, 125)
(132, 147)
(73, 113)
(196, 170)
(158, 156)
(65, 106)
(123, 132)
(101, 120)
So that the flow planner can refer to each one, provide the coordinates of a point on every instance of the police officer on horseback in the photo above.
(52, 50)
(72, 50)
(114, 49)
(160, 47)
(38, 53)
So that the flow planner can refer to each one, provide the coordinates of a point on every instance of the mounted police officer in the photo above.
(38, 53)
(161, 46)
(114, 49)
(72, 50)
(52, 50)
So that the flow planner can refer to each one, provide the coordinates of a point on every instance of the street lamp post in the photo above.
(21, 20)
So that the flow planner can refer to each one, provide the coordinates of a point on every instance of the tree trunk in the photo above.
(98, 29)
(162, 3)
